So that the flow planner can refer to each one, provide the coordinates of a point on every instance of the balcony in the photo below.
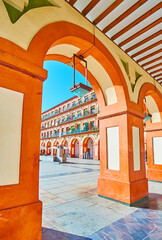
(72, 132)
(70, 119)
(71, 107)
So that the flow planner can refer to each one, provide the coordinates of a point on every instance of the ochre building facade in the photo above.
(74, 125)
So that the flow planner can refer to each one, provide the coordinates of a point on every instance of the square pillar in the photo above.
(80, 150)
(122, 159)
(96, 151)
(154, 151)
(20, 121)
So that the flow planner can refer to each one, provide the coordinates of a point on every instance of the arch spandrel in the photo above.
(16, 33)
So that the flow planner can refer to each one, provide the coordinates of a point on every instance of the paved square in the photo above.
(71, 204)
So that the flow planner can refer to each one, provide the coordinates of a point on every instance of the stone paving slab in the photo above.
(73, 210)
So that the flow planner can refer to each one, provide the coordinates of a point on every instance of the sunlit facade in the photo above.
(73, 124)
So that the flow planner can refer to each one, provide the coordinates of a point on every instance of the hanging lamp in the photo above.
(80, 89)
(147, 114)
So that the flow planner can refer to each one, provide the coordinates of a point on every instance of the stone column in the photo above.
(122, 162)
(81, 150)
(95, 151)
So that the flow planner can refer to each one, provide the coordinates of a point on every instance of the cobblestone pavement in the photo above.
(72, 209)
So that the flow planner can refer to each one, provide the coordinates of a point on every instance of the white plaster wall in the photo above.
(136, 148)
(113, 148)
(11, 105)
(157, 147)
(153, 109)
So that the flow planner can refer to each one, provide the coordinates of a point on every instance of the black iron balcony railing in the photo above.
(74, 105)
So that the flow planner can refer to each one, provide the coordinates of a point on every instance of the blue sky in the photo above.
(56, 88)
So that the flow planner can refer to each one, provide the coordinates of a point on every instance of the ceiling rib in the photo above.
(72, 2)
(139, 33)
(89, 7)
(158, 70)
(148, 32)
(152, 67)
(138, 20)
(144, 41)
(147, 49)
(124, 15)
(152, 61)
(158, 75)
(149, 55)
(107, 11)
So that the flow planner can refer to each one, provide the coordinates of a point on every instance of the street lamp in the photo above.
(80, 89)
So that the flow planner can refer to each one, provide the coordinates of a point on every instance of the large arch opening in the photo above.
(112, 95)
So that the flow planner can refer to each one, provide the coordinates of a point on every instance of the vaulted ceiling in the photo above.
(134, 25)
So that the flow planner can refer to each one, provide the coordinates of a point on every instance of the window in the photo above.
(85, 111)
(63, 119)
(86, 126)
(92, 109)
(73, 115)
(79, 114)
(59, 110)
(79, 101)
(93, 95)
(86, 99)
(73, 104)
(64, 108)
(50, 133)
(59, 121)
(68, 106)
(56, 111)
(78, 126)
(68, 117)
(92, 125)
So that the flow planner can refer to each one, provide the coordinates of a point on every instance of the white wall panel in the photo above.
(157, 148)
(136, 149)
(113, 148)
(11, 104)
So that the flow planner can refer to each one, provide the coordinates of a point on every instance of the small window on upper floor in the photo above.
(92, 109)
(93, 95)
(68, 106)
(73, 115)
(64, 108)
(86, 99)
(59, 110)
(73, 104)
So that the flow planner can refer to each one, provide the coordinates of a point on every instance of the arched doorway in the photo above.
(153, 130)
(42, 148)
(48, 151)
(74, 148)
(55, 143)
(88, 148)
(77, 148)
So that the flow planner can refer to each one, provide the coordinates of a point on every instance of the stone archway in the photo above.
(88, 148)
(22, 74)
(153, 130)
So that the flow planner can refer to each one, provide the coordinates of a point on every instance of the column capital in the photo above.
(108, 114)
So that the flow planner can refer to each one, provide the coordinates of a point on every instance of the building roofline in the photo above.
(59, 104)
